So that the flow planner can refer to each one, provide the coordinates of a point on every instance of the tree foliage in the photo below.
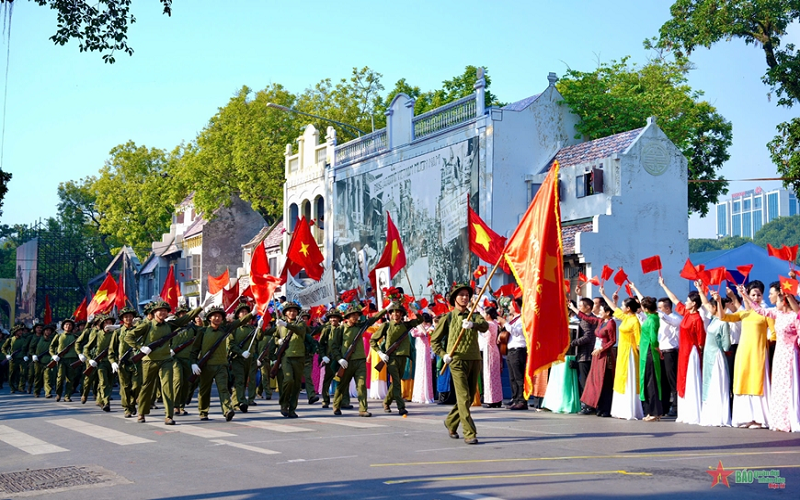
(617, 97)
(5, 178)
(785, 153)
(710, 244)
(779, 231)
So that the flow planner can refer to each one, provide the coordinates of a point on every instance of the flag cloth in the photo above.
(48, 313)
(716, 275)
(788, 285)
(620, 277)
(120, 299)
(745, 270)
(215, 284)
(349, 295)
(171, 290)
(103, 299)
(262, 284)
(594, 281)
(393, 256)
(507, 289)
(230, 296)
(304, 252)
(689, 272)
(651, 264)
(607, 272)
(480, 271)
(80, 313)
(484, 242)
(534, 254)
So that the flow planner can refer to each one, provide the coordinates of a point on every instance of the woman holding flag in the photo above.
(625, 402)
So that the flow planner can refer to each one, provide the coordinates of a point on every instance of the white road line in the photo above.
(26, 442)
(473, 496)
(100, 432)
(421, 420)
(271, 426)
(192, 430)
(347, 422)
(247, 447)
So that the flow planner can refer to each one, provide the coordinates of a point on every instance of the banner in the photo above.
(315, 293)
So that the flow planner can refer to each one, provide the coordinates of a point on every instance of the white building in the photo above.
(746, 211)
(624, 197)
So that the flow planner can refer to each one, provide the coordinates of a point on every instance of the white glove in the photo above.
(111, 328)
(146, 350)
(171, 353)
(93, 363)
(467, 324)
(279, 341)
(90, 318)
(35, 358)
(82, 358)
(258, 363)
(246, 354)
(229, 317)
(260, 323)
(55, 358)
(325, 360)
(136, 321)
(114, 368)
(384, 357)
(343, 363)
(447, 359)
(280, 322)
(8, 357)
(196, 369)
(25, 359)
(170, 317)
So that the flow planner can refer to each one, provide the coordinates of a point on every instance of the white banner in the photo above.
(315, 293)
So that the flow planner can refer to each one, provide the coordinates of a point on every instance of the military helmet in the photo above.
(160, 304)
(396, 305)
(18, 327)
(50, 326)
(334, 313)
(68, 320)
(353, 309)
(182, 309)
(305, 312)
(127, 310)
(291, 305)
(457, 287)
(215, 310)
(242, 305)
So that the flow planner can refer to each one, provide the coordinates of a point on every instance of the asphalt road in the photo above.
(260, 454)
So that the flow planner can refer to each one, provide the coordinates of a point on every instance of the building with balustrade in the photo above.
(624, 197)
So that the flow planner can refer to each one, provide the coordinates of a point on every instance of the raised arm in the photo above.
(672, 296)
(636, 291)
(611, 304)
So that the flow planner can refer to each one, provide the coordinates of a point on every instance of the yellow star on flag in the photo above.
(481, 237)
(304, 249)
(787, 285)
(395, 251)
(101, 296)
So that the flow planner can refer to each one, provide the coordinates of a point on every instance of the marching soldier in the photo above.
(243, 368)
(216, 367)
(293, 357)
(393, 331)
(30, 369)
(15, 349)
(183, 360)
(356, 367)
(130, 374)
(308, 364)
(100, 340)
(157, 363)
(89, 383)
(39, 352)
(264, 389)
(328, 331)
(465, 360)
(67, 376)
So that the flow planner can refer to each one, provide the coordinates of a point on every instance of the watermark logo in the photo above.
(719, 475)
(771, 477)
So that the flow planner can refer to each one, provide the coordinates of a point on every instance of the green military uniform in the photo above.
(341, 340)
(387, 335)
(30, 371)
(100, 340)
(465, 367)
(130, 374)
(183, 368)
(89, 382)
(325, 339)
(291, 363)
(312, 347)
(67, 375)
(158, 364)
(243, 370)
(264, 388)
(216, 368)
(15, 350)
(39, 352)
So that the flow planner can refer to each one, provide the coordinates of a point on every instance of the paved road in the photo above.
(260, 454)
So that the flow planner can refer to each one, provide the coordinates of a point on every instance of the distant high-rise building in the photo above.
(746, 211)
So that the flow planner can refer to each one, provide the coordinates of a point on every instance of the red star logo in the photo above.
(720, 475)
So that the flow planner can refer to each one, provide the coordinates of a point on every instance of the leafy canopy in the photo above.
(779, 231)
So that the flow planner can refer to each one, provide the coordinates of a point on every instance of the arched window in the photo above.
(307, 210)
(293, 215)
(319, 212)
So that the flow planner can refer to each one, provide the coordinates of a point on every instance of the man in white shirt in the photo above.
(517, 359)
(668, 335)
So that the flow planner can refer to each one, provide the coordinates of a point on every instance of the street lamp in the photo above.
(292, 110)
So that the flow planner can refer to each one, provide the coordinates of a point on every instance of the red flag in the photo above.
(791, 252)
(230, 296)
(595, 281)
(729, 278)
(120, 299)
(484, 242)
(171, 290)
(620, 277)
(538, 269)
(567, 285)
(262, 284)
(779, 253)
(349, 295)
(582, 278)
(788, 286)
(480, 271)
(716, 275)
(606, 274)
(744, 270)
(628, 289)
(48, 313)
(215, 284)
(423, 303)
(651, 264)
(394, 255)
(80, 313)
(505, 290)
(430, 282)
(318, 311)
(103, 299)
(689, 272)
(304, 252)
(439, 309)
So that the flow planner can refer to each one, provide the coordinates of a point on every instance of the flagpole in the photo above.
(410, 286)
(471, 312)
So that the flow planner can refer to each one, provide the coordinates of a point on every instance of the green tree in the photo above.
(779, 231)
(97, 26)
(710, 244)
(5, 178)
(784, 150)
(617, 97)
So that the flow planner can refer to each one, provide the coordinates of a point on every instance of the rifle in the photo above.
(351, 350)
(241, 344)
(273, 372)
(52, 362)
(396, 345)
(90, 369)
(202, 361)
(14, 353)
(183, 346)
(158, 343)
(124, 358)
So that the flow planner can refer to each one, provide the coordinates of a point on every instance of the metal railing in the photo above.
(363, 146)
(447, 116)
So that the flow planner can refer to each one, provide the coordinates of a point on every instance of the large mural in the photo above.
(27, 267)
(427, 199)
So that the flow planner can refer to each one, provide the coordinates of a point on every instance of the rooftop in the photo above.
(596, 149)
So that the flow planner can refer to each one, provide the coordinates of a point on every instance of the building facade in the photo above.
(747, 211)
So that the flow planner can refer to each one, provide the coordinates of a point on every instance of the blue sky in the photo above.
(67, 109)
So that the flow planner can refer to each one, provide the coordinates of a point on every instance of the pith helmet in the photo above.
(457, 287)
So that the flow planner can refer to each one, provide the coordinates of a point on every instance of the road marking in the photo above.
(303, 460)
(473, 496)
(26, 442)
(588, 457)
(272, 426)
(99, 432)
(192, 430)
(511, 476)
(247, 447)
(343, 421)
(417, 419)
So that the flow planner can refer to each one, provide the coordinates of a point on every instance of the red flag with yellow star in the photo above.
(304, 252)
(535, 254)
(394, 255)
(484, 242)
(171, 290)
(788, 285)
(103, 299)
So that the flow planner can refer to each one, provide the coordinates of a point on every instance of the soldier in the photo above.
(334, 324)
(100, 340)
(67, 375)
(183, 361)
(30, 369)
(16, 355)
(243, 368)
(89, 382)
(465, 360)
(292, 359)
(39, 352)
(157, 363)
(130, 374)
(308, 363)
(266, 352)
(389, 333)
(216, 368)
(356, 367)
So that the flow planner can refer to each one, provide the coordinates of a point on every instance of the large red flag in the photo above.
(103, 299)
(171, 290)
(304, 252)
(230, 296)
(484, 242)
(48, 313)
(121, 298)
(262, 284)
(80, 313)
(215, 284)
(394, 255)
(535, 255)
